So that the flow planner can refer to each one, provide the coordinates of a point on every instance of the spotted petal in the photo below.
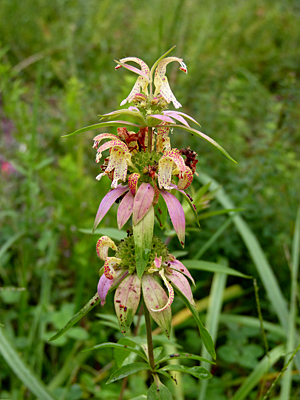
(107, 201)
(127, 298)
(105, 285)
(182, 284)
(133, 182)
(176, 214)
(155, 298)
(125, 209)
(181, 268)
(142, 202)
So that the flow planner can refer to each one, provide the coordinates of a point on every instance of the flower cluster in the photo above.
(145, 173)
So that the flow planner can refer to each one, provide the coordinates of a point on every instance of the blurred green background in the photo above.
(56, 75)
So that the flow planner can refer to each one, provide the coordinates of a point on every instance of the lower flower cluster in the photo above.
(119, 272)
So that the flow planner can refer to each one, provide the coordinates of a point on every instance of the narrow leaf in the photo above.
(184, 355)
(213, 267)
(205, 336)
(102, 125)
(197, 372)
(88, 307)
(118, 346)
(205, 137)
(127, 370)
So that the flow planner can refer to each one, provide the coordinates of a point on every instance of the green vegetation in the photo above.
(57, 75)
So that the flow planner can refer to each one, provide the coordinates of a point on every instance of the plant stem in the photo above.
(150, 139)
(149, 338)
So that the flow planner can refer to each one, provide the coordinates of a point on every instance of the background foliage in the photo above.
(56, 75)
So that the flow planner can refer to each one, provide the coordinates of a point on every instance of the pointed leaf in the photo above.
(142, 202)
(127, 299)
(213, 267)
(125, 209)
(159, 60)
(143, 234)
(205, 137)
(134, 114)
(184, 355)
(197, 372)
(205, 336)
(158, 392)
(113, 233)
(155, 297)
(176, 214)
(102, 125)
(121, 354)
(120, 346)
(88, 307)
(128, 369)
(107, 201)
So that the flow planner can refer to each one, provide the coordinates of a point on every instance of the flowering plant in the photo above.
(145, 171)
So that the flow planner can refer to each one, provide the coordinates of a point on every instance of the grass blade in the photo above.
(263, 267)
(262, 367)
(291, 335)
(212, 319)
(22, 370)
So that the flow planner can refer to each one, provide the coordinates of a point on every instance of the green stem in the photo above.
(149, 338)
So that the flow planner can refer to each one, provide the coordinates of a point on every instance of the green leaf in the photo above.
(176, 356)
(205, 336)
(121, 354)
(212, 267)
(158, 392)
(22, 370)
(161, 212)
(143, 234)
(88, 307)
(157, 351)
(135, 114)
(197, 372)
(113, 233)
(204, 136)
(102, 125)
(127, 370)
(219, 212)
(122, 347)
